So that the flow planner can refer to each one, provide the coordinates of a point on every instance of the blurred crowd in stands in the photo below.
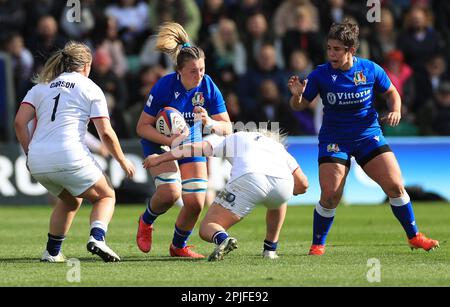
(251, 46)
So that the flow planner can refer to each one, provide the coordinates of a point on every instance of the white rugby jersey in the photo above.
(63, 107)
(253, 152)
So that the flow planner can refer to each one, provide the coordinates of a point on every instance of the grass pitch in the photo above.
(359, 233)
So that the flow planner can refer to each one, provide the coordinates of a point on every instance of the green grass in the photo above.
(358, 234)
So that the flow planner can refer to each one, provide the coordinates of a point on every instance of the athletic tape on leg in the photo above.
(194, 185)
(166, 178)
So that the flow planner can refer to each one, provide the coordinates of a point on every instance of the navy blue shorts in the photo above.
(363, 150)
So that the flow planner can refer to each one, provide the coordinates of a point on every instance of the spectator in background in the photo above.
(22, 63)
(242, 9)
(12, 16)
(114, 88)
(304, 35)
(441, 11)
(139, 89)
(233, 107)
(300, 65)
(285, 17)
(419, 40)
(435, 114)
(225, 49)
(335, 11)
(211, 12)
(428, 82)
(250, 83)
(106, 37)
(401, 75)
(384, 37)
(184, 12)
(37, 9)
(80, 30)
(272, 109)
(256, 35)
(45, 41)
(133, 22)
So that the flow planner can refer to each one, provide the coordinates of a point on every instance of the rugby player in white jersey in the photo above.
(63, 102)
(262, 172)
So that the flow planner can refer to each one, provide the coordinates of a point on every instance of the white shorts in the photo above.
(244, 193)
(76, 181)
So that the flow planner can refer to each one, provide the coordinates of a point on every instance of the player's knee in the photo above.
(168, 193)
(395, 189)
(330, 199)
(195, 207)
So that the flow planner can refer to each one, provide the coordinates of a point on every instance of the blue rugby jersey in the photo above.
(348, 98)
(170, 92)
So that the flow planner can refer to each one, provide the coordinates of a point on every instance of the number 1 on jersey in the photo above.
(55, 107)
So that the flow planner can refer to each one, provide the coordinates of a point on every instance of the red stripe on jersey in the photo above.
(99, 117)
(28, 103)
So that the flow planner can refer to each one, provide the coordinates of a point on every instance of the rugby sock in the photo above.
(98, 230)
(323, 219)
(219, 237)
(180, 237)
(149, 216)
(403, 211)
(270, 246)
(54, 244)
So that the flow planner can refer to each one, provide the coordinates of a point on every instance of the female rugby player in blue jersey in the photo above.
(347, 86)
(193, 93)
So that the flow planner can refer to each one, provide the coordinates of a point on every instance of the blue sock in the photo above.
(219, 237)
(270, 246)
(98, 230)
(323, 219)
(149, 216)
(403, 211)
(180, 237)
(54, 244)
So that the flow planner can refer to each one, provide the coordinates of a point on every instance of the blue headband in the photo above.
(185, 45)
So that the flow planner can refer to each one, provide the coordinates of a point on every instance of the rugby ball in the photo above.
(170, 121)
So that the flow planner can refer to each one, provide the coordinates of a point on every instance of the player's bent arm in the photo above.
(394, 105)
(300, 182)
(221, 124)
(109, 138)
(298, 103)
(145, 129)
(24, 115)
(393, 98)
(180, 152)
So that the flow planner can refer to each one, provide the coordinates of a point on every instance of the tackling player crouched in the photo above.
(263, 172)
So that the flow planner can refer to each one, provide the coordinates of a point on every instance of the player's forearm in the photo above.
(394, 101)
(149, 132)
(110, 140)
(185, 151)
(218, 127)
(23, 136)
(297, 102)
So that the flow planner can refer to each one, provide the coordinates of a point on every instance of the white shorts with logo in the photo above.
(75, 181)
(241, 195)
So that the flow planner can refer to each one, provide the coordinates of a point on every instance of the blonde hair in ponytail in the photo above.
(173, 40)
(72, 58)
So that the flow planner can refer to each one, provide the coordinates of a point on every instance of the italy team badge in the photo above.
(359, 78)
(198, 99)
